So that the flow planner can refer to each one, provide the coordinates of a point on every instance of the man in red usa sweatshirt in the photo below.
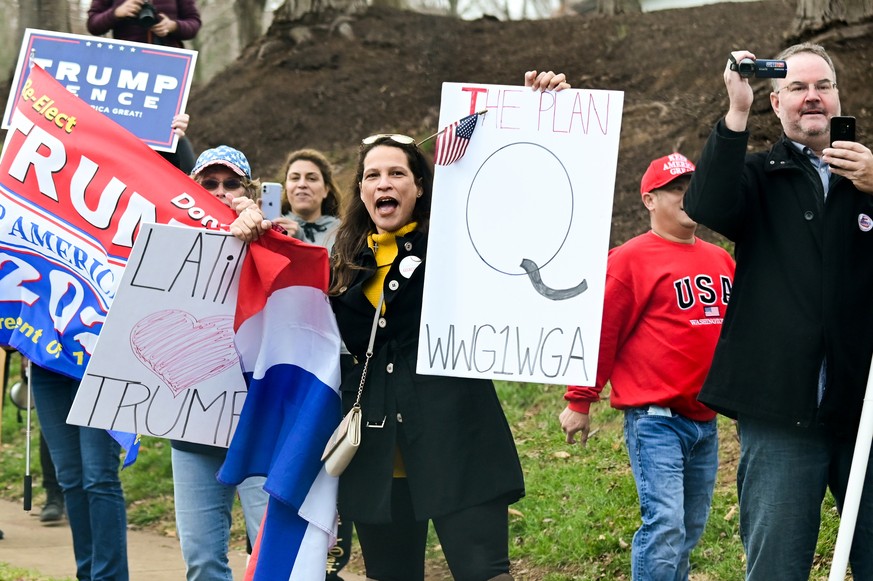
(665, 298)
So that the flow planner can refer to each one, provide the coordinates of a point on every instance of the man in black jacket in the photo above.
(792, 360)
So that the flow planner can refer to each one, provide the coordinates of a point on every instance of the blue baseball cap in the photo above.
(226, 156)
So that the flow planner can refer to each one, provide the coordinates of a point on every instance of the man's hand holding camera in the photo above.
(739, 91)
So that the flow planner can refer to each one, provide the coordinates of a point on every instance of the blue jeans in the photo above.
(203, 513)
(782, 478)
(674, 462)
(87, 462)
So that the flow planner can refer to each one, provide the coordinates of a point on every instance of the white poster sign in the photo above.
(165, 364)
(519, 236)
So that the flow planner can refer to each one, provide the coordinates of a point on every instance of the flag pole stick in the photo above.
(28, 479)
(855, 487)
(6, 357)
(426, 139)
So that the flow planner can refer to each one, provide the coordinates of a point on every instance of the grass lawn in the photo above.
(576, 522)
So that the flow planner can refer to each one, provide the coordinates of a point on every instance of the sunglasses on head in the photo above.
(211, 184)
(396, 137)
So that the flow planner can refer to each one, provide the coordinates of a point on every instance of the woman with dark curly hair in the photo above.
(432, 448)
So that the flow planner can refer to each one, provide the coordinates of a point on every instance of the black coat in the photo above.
(803, 289)
(454, 439)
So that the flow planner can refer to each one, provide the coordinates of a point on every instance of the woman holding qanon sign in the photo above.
(432, 448)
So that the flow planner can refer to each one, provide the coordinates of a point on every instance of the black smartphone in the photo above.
(842, 129)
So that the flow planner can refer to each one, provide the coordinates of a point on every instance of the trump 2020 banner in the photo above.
(75, 188)
(140, 86)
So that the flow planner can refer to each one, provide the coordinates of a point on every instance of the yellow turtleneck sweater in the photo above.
(384, 246)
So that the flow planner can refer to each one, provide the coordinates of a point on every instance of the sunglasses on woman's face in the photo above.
(211, 184)
(396, 137)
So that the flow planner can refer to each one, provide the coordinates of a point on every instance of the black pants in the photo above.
(474, 541)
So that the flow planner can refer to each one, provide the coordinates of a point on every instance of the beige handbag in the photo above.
(346, 438)
(343, 443)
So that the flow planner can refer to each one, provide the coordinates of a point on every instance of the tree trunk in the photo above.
(44, 14)
(291, 10)
(816, 15)
(390, 3)
(10, 39)
(217, 43)
(249, 15)
(612, 7)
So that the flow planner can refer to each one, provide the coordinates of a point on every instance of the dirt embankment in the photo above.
(330, 91)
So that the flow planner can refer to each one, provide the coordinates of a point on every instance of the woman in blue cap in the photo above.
(225, 173)
(203, 504)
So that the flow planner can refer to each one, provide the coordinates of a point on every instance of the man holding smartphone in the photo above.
(792, 360)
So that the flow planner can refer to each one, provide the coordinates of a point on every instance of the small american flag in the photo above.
(710, 311)
(451, 143)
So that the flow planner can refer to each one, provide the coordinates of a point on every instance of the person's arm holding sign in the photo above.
(180, 124)
(251, 224)
(546, 81)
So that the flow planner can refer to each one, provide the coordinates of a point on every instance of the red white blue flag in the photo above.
(289, 348)
(711, 311)
(451, 142)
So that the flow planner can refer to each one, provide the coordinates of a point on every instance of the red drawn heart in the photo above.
(182, 350)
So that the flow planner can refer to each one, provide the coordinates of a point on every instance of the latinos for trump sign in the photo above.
(519, 236)
(140, 86)
(75, 188)
(166, 365)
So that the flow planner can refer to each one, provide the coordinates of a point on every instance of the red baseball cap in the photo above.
(664, 170)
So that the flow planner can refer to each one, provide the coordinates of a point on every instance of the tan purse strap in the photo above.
(369, 349)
